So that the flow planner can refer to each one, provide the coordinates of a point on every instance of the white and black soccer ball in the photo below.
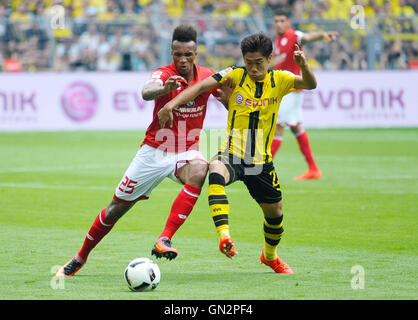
(142, 274)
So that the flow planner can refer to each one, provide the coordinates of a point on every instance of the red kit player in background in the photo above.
(168, 153)
(290, 112)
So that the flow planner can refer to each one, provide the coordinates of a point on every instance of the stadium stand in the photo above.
(134, 35)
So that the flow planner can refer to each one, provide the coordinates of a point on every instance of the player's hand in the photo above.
(164, 115)
(225, 91)
(299, 56)
(331, 36)
(173, 83)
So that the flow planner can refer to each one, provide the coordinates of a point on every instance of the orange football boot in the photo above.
(70, 268)
(309, 174)
(163, 249)
(227, 247)
(277, 264)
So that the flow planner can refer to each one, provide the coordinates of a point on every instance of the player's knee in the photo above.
(276, 211)
(279, 208)
(298, 129)
(273, 210)
(279, 131)
(216, 166)
(116, 209)
(197, 173)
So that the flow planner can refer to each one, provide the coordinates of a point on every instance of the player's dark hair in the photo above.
(257, 42)
(282, 12)
(184, 33)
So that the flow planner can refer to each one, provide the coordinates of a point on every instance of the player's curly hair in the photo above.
(257, 42)
(184, 33)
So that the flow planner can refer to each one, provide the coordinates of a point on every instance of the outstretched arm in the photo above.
(319, 35)
(166, 112)
(307, 80)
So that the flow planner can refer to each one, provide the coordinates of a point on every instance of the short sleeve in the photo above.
(220, 76)
(158, 76)
(299, 35)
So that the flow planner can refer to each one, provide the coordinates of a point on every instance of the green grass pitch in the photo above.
(350, 235)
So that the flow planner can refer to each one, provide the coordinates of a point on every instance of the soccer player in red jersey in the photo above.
(170, 152)
(290, 113)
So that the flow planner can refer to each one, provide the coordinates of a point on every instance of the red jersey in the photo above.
(187, 119)
(284, 46)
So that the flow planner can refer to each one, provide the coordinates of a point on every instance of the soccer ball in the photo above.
(142, 274)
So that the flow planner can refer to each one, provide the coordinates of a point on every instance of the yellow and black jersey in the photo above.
(252, 114)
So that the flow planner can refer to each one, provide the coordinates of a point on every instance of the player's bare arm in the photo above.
(307, 80)
(153, 90)
(328, 36)
(166, 113)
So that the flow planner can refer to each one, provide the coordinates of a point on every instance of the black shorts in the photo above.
(261, 180)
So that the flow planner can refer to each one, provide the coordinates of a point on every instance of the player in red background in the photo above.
(170, 152)
(290, 112)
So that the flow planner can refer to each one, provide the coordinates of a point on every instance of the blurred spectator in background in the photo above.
(111, 35)
(396, 58)
(232, 9)
(279, 5)
(174, 8)
(12, 62)
(359, 60)
(109, 61)
(404, 9)
(21, 16)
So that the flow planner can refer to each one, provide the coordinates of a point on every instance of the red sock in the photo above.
(275, 145)
(98, 230)
(180, 210)
(305, 148)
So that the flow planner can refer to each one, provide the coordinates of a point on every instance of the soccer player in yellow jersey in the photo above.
(245, 153)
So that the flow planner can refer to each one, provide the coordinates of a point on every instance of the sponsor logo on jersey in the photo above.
(284, 41)
(261, 103)
(189, 112)
(239, 99)
(224, 72)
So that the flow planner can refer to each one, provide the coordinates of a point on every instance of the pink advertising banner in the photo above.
(113, 101)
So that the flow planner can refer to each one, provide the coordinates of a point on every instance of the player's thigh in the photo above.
(188, 167)
(227, 165)
(264, 187)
